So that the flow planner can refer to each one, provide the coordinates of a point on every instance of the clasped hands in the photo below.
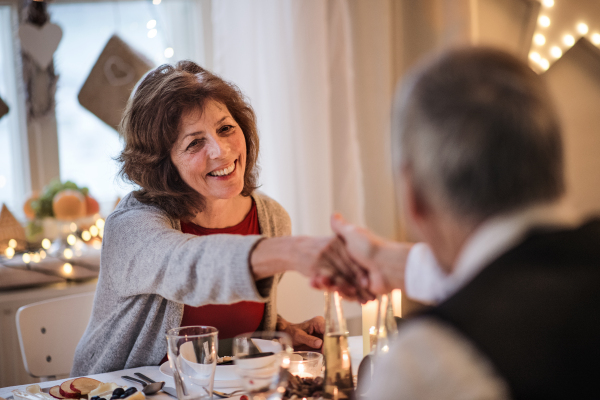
(359, 264)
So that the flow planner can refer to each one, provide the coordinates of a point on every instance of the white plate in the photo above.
(165, 368)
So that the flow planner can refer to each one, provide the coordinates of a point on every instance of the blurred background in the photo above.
(320, 75)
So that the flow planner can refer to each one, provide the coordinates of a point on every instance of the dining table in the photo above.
(153, 372)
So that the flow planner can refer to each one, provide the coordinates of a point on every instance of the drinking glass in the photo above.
(193, 358)
(262, 360)
(306, 364)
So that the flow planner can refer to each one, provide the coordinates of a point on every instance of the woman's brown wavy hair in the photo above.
(150, 126)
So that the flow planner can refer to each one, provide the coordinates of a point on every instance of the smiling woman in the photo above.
(196, 244)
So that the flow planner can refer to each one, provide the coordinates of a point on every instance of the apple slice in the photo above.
(82, 386)
(55, 392)
(66, 391)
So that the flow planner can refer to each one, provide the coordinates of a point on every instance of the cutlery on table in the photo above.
(148, 389)
(168, 390)
(226, 395)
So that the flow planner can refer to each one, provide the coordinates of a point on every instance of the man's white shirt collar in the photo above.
(428, 283)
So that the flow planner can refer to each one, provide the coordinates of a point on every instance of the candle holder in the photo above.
(306, 364)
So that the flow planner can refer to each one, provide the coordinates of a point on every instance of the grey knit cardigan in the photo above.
(149, 269)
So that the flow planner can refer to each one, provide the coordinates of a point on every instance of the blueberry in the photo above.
(118, 392)
(95, 398)
(113, 397)
(131, 390)
(124, 395)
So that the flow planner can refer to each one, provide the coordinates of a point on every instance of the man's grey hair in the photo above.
(478, 133)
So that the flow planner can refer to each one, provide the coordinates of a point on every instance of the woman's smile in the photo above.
(224, 173)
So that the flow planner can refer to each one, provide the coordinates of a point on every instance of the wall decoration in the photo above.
(3, 108)
(12, 234)
(38, 68)
(560, 24)
(40, 42)
(113, 77)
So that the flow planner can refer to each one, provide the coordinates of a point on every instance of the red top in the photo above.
(230, 319)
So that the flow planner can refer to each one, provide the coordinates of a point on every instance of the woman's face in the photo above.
(210, 152)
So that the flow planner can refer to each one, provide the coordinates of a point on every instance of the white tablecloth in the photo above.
(354, 343)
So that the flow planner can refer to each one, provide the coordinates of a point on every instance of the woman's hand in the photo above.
(307, 335)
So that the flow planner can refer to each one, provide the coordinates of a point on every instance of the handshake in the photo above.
(357, 263)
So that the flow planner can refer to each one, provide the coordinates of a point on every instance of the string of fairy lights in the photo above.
(151, 25)
(543, 52)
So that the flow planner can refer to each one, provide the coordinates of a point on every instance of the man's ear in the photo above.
(416, 206)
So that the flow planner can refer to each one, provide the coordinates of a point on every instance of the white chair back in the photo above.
(49, 332)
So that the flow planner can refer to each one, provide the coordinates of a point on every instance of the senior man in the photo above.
(479, 164)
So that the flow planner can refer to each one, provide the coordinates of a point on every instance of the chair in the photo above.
(49, 332)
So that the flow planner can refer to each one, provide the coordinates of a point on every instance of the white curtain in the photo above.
(293, 60)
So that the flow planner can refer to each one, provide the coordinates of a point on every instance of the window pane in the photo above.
(87, 145)
(13, 172)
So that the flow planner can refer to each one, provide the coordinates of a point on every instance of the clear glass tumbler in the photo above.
(193, 358)
(262, 360)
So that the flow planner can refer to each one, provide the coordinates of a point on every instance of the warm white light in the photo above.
(548, 3)
(71, 239)
(286, 361)
(582, 28)
(152, 33)
(596, 39)
(46, 243)
(26, 258)
(9, 252)
(151, 24)
(67, 268)
(539, 39)
(68, 253)
(100, 223)
(556, 52)
(85, 235)
(36, 258)
(169, 52)
(101, 233)
(372, 330)
(544, 21)
(545, 64)
(569, 40)
(12, 243)
(97, 245)
(156, 2)
(94, 230)
(42, 254)
(535, 56)
(73, 227)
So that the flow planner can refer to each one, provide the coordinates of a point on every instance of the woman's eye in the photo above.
(193, 144)
(226, 129)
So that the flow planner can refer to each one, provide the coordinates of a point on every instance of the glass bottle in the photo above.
(386, 325)
(338, 370)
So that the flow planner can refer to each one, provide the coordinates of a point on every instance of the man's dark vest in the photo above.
(535, 313)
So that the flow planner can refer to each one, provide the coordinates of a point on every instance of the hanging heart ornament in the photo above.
(40, 42)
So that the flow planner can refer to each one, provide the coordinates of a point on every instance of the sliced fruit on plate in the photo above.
(55, 392)
(66, 391)
(83, 386)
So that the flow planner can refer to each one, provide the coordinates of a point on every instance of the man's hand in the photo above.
(307, 335)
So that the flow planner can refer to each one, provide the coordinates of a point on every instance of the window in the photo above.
(86, 145)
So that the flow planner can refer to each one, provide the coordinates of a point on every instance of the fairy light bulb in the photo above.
(596, 39)
(156, 2)
(569, 40)
(67, 268)
(94, 230)
(582, 28)
(100, 223)
(545, 64)
(169, 52)
(36, 258)
(152, 33)
(86, 235)
(539, 39)
(548, 3)
(151, 24)
(26, 258)
(71, 239)
(42, 254)
(12, 243)
(556, 52)
(544, 21)
(535, 56)
(68, 253)
(9, 252)
(73, 227)
(46, 244)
